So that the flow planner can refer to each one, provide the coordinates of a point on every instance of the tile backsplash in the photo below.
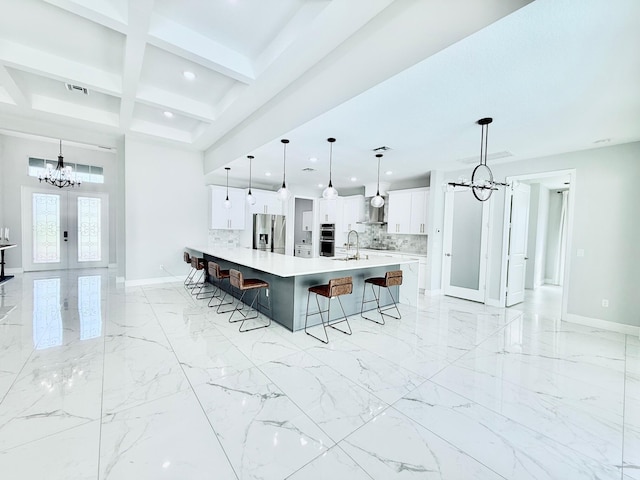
(377, 236)
(224, 238)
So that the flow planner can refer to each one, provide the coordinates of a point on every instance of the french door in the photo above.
(464, 264)
(64, 229)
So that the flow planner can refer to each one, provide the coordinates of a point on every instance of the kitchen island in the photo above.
(290, 277)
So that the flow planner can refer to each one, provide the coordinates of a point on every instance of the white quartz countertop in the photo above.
(289, 266)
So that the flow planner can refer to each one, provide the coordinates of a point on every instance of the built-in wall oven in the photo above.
(327, 239)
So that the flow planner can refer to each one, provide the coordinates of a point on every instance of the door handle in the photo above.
(65, 234)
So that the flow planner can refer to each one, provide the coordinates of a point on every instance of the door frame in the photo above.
(505, 233)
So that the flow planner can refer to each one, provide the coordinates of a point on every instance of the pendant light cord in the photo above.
(284, 165)
(250, 160)
(379, 155)
(330, 162)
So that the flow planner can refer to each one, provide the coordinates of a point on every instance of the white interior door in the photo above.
(465, 245)
(517, 256)
(64, 229)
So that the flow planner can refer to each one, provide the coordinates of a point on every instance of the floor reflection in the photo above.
(49, 325)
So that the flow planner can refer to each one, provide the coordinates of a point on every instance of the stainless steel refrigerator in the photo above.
(269, 232)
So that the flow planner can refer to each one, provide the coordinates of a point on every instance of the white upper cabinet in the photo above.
(407, 211)
(330, 210)
(307, 221)
(227, 218)
(352, 213)
(266, 202)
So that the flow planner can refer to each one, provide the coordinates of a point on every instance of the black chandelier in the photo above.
(61, 176)
(482, 183)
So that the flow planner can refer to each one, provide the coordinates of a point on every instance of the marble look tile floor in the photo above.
(102, 382)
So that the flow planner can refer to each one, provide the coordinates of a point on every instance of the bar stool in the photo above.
(238, 281)
(334, 289)
(187, 259)
(197, 265)
(218, 277)
(390, 279)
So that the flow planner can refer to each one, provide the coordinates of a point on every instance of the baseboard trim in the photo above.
(493, 302)
(153, 281)
(603, 324)
(13, 271)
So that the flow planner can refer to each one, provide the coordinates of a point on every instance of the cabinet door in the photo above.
(307, 221)
(352, 213)
(237, 210)
(419, 213)
(219, 214)
(399, 213)
(328, 210)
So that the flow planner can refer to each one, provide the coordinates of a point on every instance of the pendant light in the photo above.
(378, 201)
(330, 193)
(227, 202)
(482, 183)
(284, 193)
(251, 200)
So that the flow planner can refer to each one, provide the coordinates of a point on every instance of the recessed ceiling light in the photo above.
(388, 172)
(168, 114)
(189, 75)
(353, 179)
(313, 159)
(268, 174)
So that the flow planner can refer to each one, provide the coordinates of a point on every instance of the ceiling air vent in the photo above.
(381, 149)
(308, 169)
(491, 156)
(76, 88)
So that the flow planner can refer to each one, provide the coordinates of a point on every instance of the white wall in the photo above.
(166, 209)
(606, 225)
(14, 158)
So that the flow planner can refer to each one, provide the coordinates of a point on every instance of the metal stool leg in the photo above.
(319, 312)
(222, 302)
(257, 302)
(376, 298)
(344, 319)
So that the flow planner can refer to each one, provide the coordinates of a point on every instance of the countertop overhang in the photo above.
(290, 266)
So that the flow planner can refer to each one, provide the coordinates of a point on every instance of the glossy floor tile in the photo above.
(98, 381)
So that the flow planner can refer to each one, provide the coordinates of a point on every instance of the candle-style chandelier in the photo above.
(482, 183)
(61, 176)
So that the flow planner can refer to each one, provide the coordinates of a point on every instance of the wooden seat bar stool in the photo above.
(218, 275)
(390, 279)
(334, 289)
(192, 272)
(238, 281)
(197, 265)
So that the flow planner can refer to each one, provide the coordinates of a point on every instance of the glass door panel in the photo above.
(46, 228)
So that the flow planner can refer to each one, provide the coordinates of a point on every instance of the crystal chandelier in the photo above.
(482, 183)
(61, 176)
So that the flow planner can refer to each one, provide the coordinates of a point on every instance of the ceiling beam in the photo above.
(12, 88)
(358, 59)
(184, 42)
(102, 13)
(136, 42)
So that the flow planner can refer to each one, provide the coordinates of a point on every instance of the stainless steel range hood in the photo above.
(375, 216)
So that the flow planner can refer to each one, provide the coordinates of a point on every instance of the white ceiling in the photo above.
(556, 76)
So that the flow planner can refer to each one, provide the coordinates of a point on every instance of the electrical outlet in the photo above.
(605, 303)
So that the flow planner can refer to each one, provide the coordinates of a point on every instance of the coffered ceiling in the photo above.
(557, 75)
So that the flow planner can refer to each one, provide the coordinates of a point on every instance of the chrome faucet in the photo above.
(357, 257)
